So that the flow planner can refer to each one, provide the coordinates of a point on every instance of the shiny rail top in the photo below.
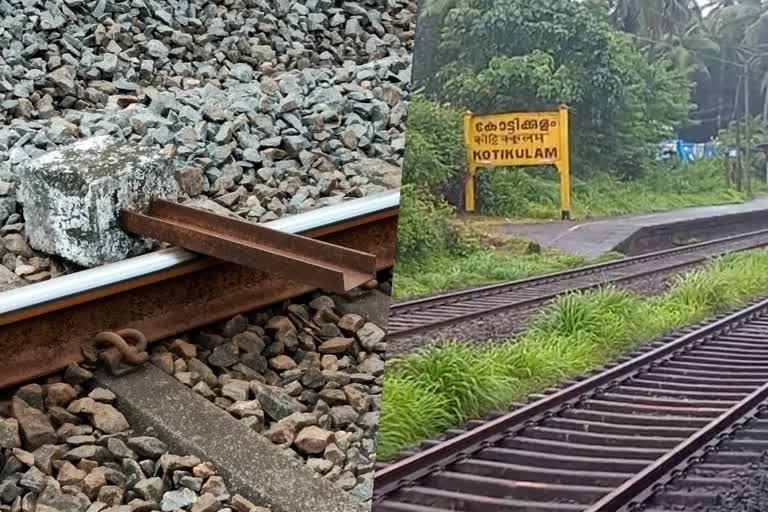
(147, 264)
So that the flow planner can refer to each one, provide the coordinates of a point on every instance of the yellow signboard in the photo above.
(517, 139)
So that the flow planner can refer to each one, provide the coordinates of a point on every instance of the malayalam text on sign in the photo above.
(501, 140)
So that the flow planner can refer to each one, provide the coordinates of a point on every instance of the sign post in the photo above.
(516, 140)
(469, 180)
(564, 165)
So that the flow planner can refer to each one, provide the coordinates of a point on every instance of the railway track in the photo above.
(212, 320)
(478, 422)
(706, 479)
(413, 318)
(45, 327)
(612, 440)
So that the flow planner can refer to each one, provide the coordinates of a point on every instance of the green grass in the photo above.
(485, 257)
(534, 194)
(430, 391)
(478, 267)
(437, 251)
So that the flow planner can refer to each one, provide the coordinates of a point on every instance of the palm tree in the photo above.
(427, 57)
(654, 18)
(740, 28)
(710, 41)
(668, 27)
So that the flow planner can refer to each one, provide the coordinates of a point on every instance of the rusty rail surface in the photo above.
(47, 336)
(602, 443)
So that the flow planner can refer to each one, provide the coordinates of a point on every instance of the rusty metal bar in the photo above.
(296, 257)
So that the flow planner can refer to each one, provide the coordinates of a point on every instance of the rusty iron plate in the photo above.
(45, 339)
(297, 257)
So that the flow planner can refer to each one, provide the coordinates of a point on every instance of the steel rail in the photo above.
(403, 473)
(624, 494)
(44, 326)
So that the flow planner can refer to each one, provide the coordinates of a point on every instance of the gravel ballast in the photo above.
(66, 447)
(268, 108)
(302, 374)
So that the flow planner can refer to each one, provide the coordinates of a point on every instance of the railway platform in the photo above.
(639, 234)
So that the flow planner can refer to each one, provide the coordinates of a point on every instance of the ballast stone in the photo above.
(72, 198)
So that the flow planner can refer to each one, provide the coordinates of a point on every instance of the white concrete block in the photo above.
(72, 198)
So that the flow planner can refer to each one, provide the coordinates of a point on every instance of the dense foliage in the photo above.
(712, 42)
(531, 194)
(518, 55)
(434, 151)
(424, 225)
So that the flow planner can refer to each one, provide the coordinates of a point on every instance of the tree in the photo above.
(712, 42)
(654, 18)
(517, 55)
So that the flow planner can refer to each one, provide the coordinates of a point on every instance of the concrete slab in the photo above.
(156, 403)
(373, 305)
(72, 198)
(633, 234)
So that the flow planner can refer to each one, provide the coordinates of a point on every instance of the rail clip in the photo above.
(121, 357)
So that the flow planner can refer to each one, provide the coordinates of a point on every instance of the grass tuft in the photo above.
(473, 268)
(470, 381)
(415, 410)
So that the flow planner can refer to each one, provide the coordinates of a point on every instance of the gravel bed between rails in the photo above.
(748, 492)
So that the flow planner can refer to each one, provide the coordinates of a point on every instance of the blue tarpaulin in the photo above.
(686, 151)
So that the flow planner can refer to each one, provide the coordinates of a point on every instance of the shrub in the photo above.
(424, 225)
(434, 151)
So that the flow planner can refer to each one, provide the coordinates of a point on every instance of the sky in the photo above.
(704, 2)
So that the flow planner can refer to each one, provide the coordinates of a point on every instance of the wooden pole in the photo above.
(739, 169)
(747, 136)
